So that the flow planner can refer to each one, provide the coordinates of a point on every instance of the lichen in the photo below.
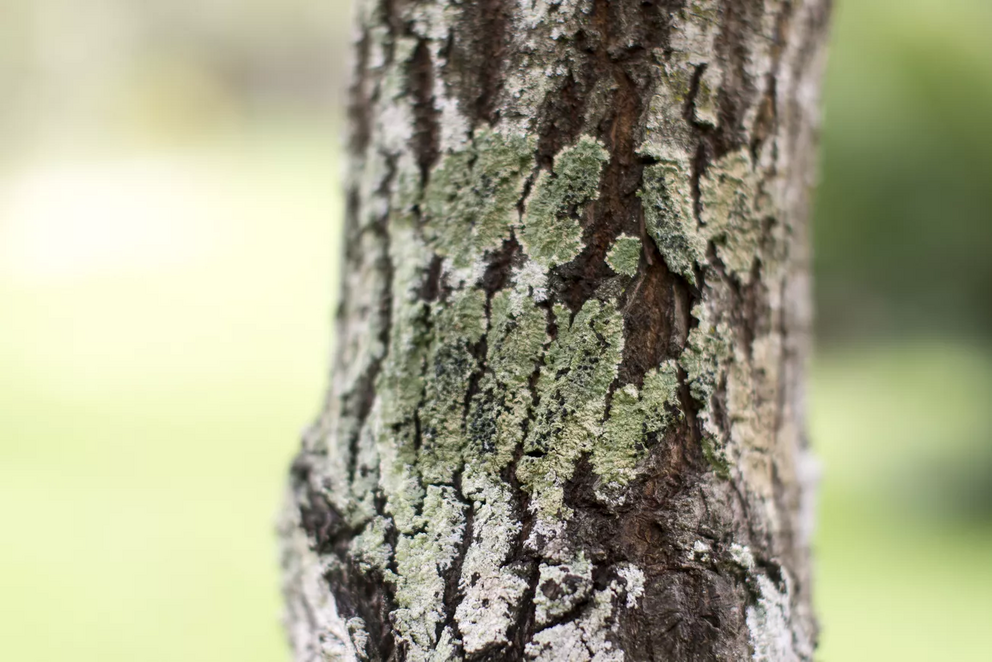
(470, 203)
(635, 416)
(421, 558)
(707, 351)
(560, 588)
(458, 324)
(466, 394)
(585, 638)
(625, 255)
(370, 548)
(515, 344)
(768, 622)
(551, 233)
(579, 367)
(491, 589)
(359, 636)
(769, 616)
(729, 202)
(666, 196)
(715, 455)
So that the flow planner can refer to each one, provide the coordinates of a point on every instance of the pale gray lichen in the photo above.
(560, 588)
(551, 234)
(491, 589)
(666, 196)
(586, 638)
(769, 618)
(768, 624)
(700, 550)
(421, 558)
(625, 255)
(316, 630)
(400, 382)
(370, 548)
(634, 580)
(728, 193)
(359, 636)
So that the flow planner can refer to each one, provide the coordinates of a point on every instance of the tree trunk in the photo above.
(566, 419)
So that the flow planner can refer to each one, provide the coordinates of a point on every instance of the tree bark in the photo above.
(566, 419)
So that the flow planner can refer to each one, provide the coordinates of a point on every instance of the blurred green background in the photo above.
(168, 210)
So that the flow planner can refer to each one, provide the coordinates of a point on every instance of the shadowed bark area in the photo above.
(566, 414)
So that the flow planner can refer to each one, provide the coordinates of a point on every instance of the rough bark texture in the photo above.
(566, 419)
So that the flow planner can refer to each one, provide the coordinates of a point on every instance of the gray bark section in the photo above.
(566, 417)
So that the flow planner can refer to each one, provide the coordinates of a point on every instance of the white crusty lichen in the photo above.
(586, 638)
(560, 588)
(421, 560)
(624, 255)
(701, 550)
(769, 618)
(634, 580)
(492, 591)
(768, 622)
(551, 234)
(316, 630)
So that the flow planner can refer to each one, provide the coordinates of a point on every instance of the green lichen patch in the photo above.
(551, 233)
(579, 367)
(666, 196)
(707, 348)
(716, 456)
(470, 203)
(515, 345)
(634, 416)
(458, 324)
(624, 255)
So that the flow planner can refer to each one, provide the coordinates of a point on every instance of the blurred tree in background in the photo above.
(904, 215)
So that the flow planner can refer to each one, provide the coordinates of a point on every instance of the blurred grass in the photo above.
(151, 406)
(167, 252)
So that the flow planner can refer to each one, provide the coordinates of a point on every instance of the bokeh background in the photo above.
(168, 211)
